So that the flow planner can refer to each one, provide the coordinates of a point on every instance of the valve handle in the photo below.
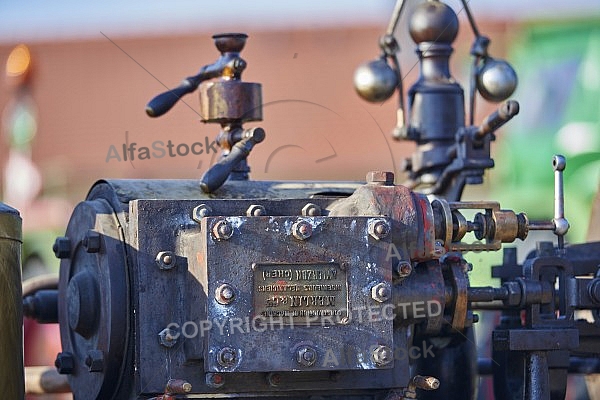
(218, 173)
(162, 103)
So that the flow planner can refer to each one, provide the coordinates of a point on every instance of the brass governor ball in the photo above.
(375, 81)
(497, 80)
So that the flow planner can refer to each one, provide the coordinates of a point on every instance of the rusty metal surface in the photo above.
(188, 292)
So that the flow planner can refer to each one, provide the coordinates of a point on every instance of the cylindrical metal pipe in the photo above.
(12, 381)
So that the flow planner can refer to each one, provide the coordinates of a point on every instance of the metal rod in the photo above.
(470, 17)
(41, 380)
(395, 17)
(12, 381)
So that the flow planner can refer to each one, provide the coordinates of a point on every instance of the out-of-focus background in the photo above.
(77, 76)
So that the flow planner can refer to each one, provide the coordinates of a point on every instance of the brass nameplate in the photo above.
(303, 294)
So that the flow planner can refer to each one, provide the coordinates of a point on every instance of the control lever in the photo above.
(218, 173)
(498, 118)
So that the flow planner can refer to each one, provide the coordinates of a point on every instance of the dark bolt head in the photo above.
(404, 269)
(378, 228)
(200, 212)
(274, 379)
(168, 337)
(306, 356)
(225, 294)
(227, 357)
(62, 247)
(95, 360)
(381, 292)
(214, 380)
(255, 210)
(302, 230)
(64, 363)
(222, 230)
(382, 355)
(91, 241)
(380, 177)
(311, 210)
(165, 260)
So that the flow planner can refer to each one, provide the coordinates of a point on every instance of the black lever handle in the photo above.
(218, 173)
(165, 101)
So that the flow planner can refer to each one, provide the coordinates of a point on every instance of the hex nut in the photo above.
(255, 210)
(225, 294)
(62, 247)
(380, 177)
(404, 269)
(227, 357)
(306, 356)
(382, 355)
(166, 260)
(214, 380)
(168, 337)
(95, 360)
(378, 228)
(302, 230)
(64, 363)
(200, 212)
(381, 292)
(311, 210)
(222, 230)
(91, 241)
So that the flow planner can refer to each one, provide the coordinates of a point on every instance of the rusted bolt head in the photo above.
(255, 210)
(274, 379)
(168, 337)
(200, 212)
(165, 260)
(381, 292)
(62, 247)
(91, 241)
(380, 177)
(64, 363)
(382, 355)
(227, 357)
(404, 269)
(222, 230)
(306, 356)
(214, 380)
(311, 210)
(426, 382)
(302, 230)
(225, 294)
(378, 228)
(95, 360)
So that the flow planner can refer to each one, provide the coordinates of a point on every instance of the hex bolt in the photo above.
(168, 337)
(91, 241)
(404, 269)
(378, 228)
(227, 357)
(62, 247)
(311, 210)
(200, 212)
(64, 363)
(166, 260)
(95, 360)
(178, 386)
(381, 292)
(306, 356)
(439, 249)
(380, 178)
(214, 380)
(301, 230)
(382, 355)
(274, 379)
(222, 230)
(255, 210)
(225, 294)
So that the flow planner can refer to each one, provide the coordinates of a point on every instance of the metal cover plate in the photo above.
(304, 294)
(262, 252)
